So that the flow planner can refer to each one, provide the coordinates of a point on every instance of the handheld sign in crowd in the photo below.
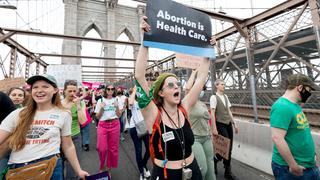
(8, 83)
(178, 28)
(63, 72)
(99, 176)
(187, 61)
(221, 146)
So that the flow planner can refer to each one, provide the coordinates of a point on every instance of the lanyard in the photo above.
(181, 139)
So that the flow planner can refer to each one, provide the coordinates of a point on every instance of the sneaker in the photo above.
(85, 147)
(146, 173)
(142, 178)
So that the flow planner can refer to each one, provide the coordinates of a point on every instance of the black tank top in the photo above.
(174, 150)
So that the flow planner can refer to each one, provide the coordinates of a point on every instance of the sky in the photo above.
(48, 16)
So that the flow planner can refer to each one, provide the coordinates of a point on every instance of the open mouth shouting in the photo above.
(176, 94)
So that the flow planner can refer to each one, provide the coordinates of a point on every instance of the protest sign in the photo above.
(8, 83)
(178, 28)
(99, 176)
(95, 85)
(87, 84)
(221, 145)
(63, 72)
(187, 61)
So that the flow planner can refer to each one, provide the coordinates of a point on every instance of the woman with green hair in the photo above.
(166, 116)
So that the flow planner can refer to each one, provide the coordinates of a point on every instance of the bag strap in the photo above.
(185, 114)
(164, 163)
(155, 127)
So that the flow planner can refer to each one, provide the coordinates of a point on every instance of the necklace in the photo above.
(179, 136)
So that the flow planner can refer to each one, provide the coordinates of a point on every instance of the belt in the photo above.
(17, 165)
(111, 120)
(174, 164)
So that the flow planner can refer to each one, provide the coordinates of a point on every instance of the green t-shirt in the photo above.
(289, 116)
(75, 127)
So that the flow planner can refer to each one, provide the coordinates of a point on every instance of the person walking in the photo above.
(166, 116)
(36, 132)
(108, 132)
(96, 95)
(122, 100)
(78, 112)
(202, 148)
(222, 124)
(293, 156)
(85, 128)
(137, 141)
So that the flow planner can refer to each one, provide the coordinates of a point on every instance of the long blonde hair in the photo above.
(17, 139)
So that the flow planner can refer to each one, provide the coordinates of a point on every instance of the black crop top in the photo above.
(174, 150)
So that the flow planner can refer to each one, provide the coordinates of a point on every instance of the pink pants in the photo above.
(108, 137)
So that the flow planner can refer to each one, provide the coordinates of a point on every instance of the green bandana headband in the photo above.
(159, 83)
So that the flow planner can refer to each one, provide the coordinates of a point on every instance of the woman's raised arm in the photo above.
(150, 111)
(193, 95)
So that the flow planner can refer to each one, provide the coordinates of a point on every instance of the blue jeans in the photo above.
(281, 172)
(57, 172)
(122, 122)
(85, 134)
(142, 162)
(70, 173)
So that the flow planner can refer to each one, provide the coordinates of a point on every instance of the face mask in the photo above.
(304, 95)
(201, 94)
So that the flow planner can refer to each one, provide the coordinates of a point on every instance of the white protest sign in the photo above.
(63, 72)
(187, 61)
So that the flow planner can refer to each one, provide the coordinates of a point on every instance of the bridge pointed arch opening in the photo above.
(125, 51)
(89, 48)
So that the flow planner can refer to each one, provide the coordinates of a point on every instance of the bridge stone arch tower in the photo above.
(107, 17)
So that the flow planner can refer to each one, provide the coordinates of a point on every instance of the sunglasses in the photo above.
(110, 89)
(172, 85)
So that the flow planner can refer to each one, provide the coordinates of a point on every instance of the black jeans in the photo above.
(142, 162)
(176, 174)
(225, 130)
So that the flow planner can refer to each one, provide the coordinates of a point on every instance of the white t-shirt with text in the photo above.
(109, 112)
(44, 137)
